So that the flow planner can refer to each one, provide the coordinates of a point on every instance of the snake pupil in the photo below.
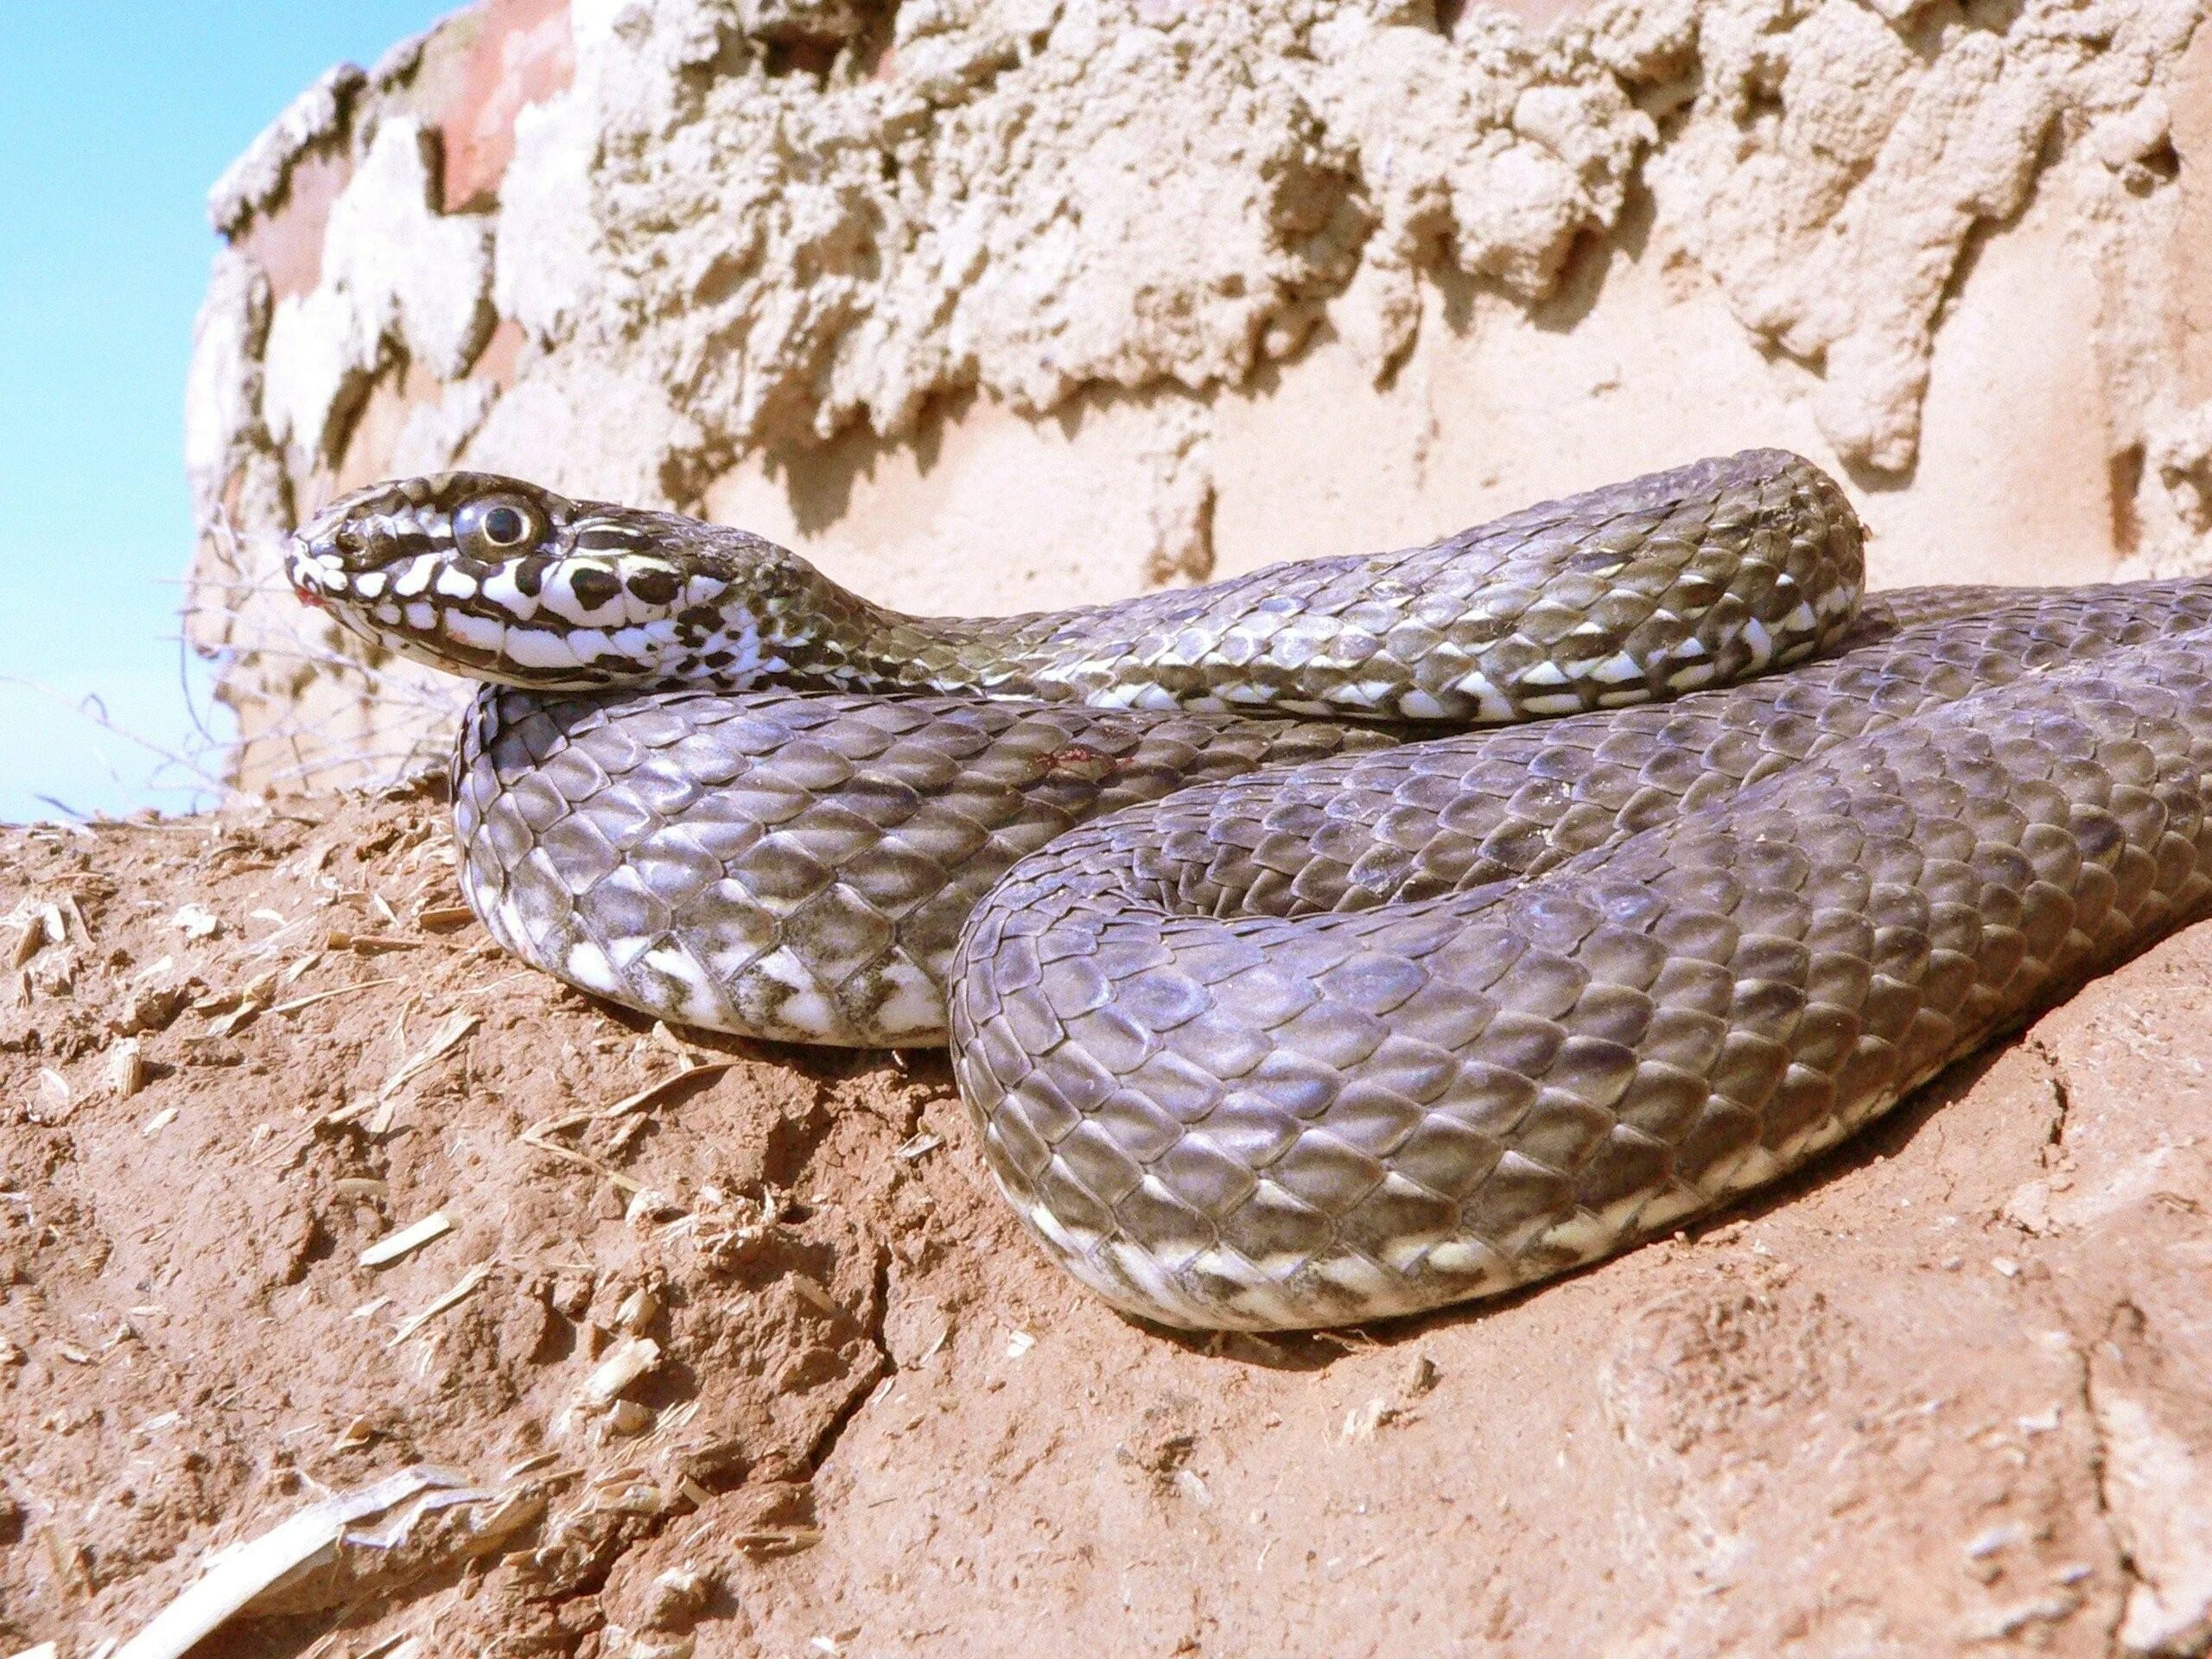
(505, 527)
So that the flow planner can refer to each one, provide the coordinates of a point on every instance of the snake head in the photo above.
(499, 579)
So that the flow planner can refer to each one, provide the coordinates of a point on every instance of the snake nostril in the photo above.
(308, 593)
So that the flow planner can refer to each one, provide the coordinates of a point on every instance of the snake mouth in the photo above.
(571, 629)
(493, 579)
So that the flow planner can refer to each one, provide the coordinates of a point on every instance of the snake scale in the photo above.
(1345, 939)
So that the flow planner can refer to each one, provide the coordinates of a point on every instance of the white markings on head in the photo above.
(560, 595)
(739, 635)
(478, 632)
(499, 589)
(588, 645)
(538, 648)
(641, 644)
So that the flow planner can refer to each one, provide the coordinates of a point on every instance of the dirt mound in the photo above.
(736, 1353)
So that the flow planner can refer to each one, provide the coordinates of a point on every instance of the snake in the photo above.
(1344, 940)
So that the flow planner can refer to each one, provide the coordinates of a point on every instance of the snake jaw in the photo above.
(500, 580)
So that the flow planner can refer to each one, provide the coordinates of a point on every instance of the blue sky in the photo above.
(114, 120)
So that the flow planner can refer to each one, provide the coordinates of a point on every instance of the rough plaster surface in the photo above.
(988, 303)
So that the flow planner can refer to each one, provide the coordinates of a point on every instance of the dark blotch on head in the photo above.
(655, 587)
(593, 589)
(607, 538)
(529, 574)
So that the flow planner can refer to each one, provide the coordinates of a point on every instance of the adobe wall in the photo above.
(994, 304)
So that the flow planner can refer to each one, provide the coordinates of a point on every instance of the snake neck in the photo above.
(1633, 594)
(1643, 590)
(813, 634)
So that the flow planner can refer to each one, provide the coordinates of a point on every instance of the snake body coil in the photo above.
(1273, 1008)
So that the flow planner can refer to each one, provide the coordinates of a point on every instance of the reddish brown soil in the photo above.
(1950, 1392)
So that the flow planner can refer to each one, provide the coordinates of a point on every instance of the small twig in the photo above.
(531, 1137)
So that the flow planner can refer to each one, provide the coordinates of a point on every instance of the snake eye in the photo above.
(496, 526)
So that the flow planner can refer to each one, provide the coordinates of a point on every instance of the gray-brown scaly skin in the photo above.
(1300, 1040)
(721, 906)
(1226, 1093)
(797, 866)
(1705, 574)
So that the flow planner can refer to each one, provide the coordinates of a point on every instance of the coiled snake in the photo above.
(1273, 1007)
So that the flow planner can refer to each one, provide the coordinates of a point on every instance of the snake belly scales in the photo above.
(1345, 939)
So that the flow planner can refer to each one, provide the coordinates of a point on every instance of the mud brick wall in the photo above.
(992, 304)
